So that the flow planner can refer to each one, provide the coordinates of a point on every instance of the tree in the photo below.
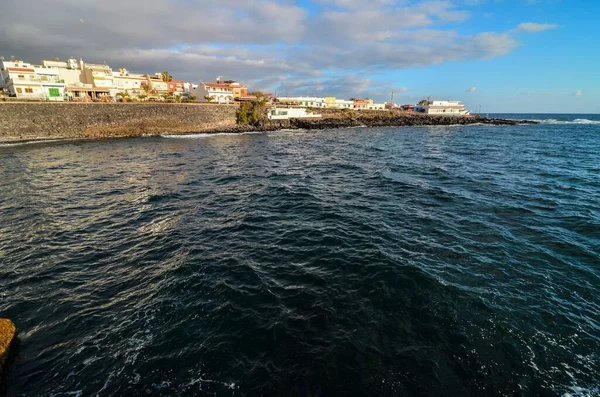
(252, 113)
(123, 95)
(146, 87)
(258, 94)
(142, 96)
(423, 102)
(166, 77)
(192, 98)
(209, 98)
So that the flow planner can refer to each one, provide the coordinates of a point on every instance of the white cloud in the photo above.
(533, 27)
(472, 89)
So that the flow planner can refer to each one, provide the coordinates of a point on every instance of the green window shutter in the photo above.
(54, 92)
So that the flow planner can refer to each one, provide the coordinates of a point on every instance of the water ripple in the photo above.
(415, 261)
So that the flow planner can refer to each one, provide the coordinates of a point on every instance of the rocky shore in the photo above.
(385, 120)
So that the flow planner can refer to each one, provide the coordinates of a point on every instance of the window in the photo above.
(29, 90)
(19, 90)
(21, 76)
(54, 92)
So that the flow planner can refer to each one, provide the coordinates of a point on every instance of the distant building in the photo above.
(176, 87)
(84, 81)
(26, 81)
(445, 108)
(284, 113)
(132, 83)
(223, 92)
(362, 103)
(407, 108)
(157, 85)
(303, 101)
(333, 102)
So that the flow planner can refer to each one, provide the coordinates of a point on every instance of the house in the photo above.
(377, 106)
(23, 80)
(285, 113)
(303, 101)
(84, 81)
(176, 87)
(156, 84)
(407, 108)
(444, 108)
(362, 103)
(332, 102)
(224, 92)
(132, 83)
(100, 76)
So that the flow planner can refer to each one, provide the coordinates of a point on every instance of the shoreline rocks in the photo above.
(8, 334)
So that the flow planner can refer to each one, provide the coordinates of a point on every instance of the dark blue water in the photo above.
(434, 261)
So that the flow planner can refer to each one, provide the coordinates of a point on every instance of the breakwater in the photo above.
(381, 119)
(40, 120)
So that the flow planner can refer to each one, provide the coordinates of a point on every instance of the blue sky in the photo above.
(502, 55)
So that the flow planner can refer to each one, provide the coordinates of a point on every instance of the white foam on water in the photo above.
(203, 135)
(12, 144)
(575, 121)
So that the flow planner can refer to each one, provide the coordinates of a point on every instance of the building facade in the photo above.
(284, 113)
(23, 80)
(444, 108)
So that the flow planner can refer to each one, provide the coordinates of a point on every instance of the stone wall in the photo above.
(42, 120)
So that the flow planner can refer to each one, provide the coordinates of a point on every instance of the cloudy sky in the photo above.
(502, 55)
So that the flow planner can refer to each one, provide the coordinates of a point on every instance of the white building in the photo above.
(304, 101)
(376, 106)
(444, 108)
(132, 83)
(284, 113)
(84, 81)
(26, 81)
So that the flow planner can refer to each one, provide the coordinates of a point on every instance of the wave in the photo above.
(202, 135)
(575, 121)
(23, 143)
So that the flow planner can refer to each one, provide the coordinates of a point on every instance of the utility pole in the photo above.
(392, 106)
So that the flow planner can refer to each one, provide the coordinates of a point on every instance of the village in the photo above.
(78, 81)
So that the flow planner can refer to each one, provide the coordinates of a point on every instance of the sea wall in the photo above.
(42, 120)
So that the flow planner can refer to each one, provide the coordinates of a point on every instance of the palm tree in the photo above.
(124, 95)
(166, 77)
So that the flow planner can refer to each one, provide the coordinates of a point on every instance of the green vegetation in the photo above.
(252, 113)
(209, 98)
(166, 77)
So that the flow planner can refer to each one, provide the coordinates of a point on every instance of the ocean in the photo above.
(416, 261)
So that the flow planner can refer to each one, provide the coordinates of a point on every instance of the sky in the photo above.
(525, 56)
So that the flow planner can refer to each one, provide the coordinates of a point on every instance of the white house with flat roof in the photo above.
(444, 108)
(284, 113)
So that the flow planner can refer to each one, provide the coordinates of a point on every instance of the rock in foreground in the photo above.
(7, 337)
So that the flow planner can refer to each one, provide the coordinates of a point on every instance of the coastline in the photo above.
(29, 123)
